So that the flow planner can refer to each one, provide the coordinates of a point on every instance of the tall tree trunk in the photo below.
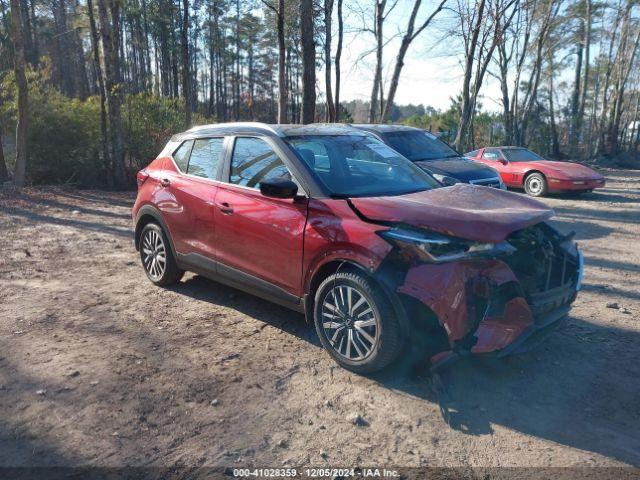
(4, 174)
(575, 96)
(21, 81)
(625, 60)
(507, 117)
(600, 141)
(337, 59)
(377, 77)
(236, 85)
(465, 115)
(308, 62)
(28, 32)
(282, 58)
(328, 12)
(555, 144)
(109, 11)
(531, 94)
(585, 80)
(100, 78)
(186, 79)
(211, 102)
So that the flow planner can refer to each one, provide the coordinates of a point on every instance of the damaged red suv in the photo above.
(335, 224)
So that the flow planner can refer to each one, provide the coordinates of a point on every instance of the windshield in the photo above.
(520, 155)
(418, 145)
(359, 166)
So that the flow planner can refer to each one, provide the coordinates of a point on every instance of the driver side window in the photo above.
(491, 154)
(253, 161)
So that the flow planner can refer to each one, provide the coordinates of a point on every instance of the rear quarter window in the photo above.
(181, 155)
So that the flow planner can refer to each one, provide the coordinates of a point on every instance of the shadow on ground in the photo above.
(583, 403)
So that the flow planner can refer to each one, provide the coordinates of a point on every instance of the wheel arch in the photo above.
(532, 171)
(148, 214)
(340, 264)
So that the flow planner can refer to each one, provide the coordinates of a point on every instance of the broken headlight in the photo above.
(438, 248)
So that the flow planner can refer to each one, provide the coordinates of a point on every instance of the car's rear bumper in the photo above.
(578, 185)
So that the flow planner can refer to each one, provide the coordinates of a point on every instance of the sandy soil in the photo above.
(99, 367)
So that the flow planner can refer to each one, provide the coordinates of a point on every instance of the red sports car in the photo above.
(521, 168)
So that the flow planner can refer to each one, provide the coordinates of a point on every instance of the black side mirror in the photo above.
(503, 160)
(278, 188)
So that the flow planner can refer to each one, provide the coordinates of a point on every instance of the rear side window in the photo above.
(181, 155)
(205, 157)
(253, 161)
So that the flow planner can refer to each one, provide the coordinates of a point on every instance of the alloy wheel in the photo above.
(534, 185)
(154, 254)
(349, 322)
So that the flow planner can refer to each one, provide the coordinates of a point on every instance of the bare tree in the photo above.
(549, 12)
(331, 108)
(186, 77)
(587, 65)
(627, 48)
(279, 12)
(4, 174)
(21, 81)
(410, 35)
(379, 17)
(308, 61)
(95, 44)
(479, 43)
(337, 60)
(109, 12)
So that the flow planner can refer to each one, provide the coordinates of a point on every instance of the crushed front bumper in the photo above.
(483, 308)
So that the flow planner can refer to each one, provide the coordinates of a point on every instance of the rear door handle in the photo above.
(225, 208)
(165, 182)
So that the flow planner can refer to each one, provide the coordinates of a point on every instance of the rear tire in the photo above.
(356, 322)
(156, 256)
(535, 185)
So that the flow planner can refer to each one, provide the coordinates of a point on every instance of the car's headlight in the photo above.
(445, 180)
(437, 248)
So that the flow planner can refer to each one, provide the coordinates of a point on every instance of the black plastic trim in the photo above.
(237, 279)
(155, 213)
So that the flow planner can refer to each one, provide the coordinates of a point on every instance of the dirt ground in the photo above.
(100, 367)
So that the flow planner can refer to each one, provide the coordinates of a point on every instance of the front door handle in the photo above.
(165, 182)
(225, 208)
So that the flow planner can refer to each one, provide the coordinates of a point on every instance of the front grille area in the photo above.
(487, 182)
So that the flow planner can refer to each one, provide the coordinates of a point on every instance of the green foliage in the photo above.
(64, 141)
(148, 122)
(63, 134)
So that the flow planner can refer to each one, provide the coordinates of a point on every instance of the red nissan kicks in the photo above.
(329, 221)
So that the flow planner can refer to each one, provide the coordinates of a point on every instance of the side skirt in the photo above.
(235, 278)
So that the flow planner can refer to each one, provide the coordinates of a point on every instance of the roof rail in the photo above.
(264, 126)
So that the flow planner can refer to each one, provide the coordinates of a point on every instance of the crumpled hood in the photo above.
(569, 169)
(466, 211)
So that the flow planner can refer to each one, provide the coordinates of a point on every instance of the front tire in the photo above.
(536, 185)
(356, 323)
(157, 258)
